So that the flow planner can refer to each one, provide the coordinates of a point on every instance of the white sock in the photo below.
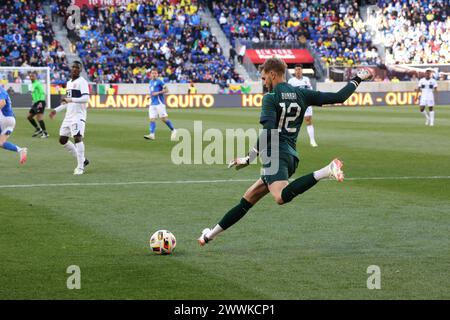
(431, 118)
(310, 130)
(323, 173)
(80, 154)
(69, 146)
(214, 232)
(425, 113)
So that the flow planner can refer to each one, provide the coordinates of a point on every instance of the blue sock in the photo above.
(169, 124)
(10, 146)
(152, 127)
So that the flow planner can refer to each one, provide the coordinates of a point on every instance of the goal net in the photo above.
(16, 80)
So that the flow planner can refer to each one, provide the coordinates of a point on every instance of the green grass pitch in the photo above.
(317, 247)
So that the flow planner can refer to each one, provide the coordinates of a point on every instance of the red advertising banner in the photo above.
(258, 56)
(102, 3)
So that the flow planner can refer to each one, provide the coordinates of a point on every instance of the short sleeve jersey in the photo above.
(427, 86)
(156, 86)
(7, 110)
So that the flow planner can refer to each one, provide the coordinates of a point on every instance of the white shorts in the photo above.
(157, 110)
(426, 101)
(309, 112)
(71, 128)
(7, 124)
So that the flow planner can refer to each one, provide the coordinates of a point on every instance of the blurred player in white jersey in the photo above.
(428, 86)
(301, 81)
(75, 120)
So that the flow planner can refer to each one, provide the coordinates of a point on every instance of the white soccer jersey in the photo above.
(76, 89)
(303, 82)
(427, 87)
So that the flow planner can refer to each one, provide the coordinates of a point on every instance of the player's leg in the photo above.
(310, 127)
(424, 111)
(283, 191)
(68, 145)
(173, 135)
(278, 181)
(64, 134)
(162, 112)
(40, 118)
(255, 193)
(7, 125)
(30, 117)
(431, 108)
(77, 131)
(152, 114)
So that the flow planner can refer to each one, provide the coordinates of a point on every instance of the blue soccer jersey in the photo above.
(156, 86)
(7, 110)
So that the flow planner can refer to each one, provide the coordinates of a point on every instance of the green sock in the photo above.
(297, 187)
(235, 214)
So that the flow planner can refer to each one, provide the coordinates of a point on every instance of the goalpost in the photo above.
(17, 77)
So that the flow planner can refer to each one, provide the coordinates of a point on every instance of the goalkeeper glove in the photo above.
(239, 163)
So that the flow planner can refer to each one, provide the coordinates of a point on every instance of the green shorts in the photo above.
(287, 166)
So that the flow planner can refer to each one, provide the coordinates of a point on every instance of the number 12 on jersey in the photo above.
(288, 115)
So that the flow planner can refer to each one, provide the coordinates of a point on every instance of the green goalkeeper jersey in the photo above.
(37, 91)
(283, 109)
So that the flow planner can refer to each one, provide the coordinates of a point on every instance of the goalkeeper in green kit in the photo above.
(283, 108)
(38, 107)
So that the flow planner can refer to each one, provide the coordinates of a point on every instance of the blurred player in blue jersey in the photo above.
(7, 124)
(157, 106)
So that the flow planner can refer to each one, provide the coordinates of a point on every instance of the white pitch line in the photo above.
(399, 178)
(90, 184)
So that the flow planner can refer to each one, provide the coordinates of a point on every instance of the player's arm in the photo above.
(164, 90)
(318, 98)
(40, 89)
(268, 120)
(83, 99)
(59, 108)
(3, 98)
(417, 91)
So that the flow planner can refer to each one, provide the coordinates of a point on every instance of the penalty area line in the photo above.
(95, 184)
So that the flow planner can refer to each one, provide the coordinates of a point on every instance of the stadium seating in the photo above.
(415, 31)
(333, 28)
(122, 44)
(27, 39)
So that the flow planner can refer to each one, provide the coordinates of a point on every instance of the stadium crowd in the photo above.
(122, 44)
(27, 39)
(415, 32)
(333, 28)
